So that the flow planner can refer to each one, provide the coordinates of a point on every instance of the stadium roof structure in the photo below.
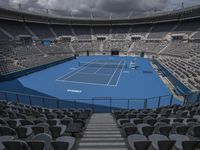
(28, 16)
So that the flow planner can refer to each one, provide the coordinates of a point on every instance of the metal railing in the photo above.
(98, 104)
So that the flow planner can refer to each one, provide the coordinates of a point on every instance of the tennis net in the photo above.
(103, 65)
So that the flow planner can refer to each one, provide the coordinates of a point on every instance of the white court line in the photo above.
(99, 68)
(71, 71)
(114, 73)
(84, 83)
(119, 76)
(77, 71)
(95, 74)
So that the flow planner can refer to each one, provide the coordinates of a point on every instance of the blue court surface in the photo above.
(96, 72)
(101, 76)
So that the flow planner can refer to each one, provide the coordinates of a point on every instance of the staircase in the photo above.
(102, 134)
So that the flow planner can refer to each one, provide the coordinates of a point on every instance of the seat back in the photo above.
(57, 145)
(7, 131)
(46, 138)
(142, 145)
(55, 131)
(38, 130)
(166, 145)
(21, 132)
(147, 130)
(36, 145)
(151, 121)
(52, 122)
(130, 130)
(165, 130)
(190, 145)
(182, 130)
(15, 145)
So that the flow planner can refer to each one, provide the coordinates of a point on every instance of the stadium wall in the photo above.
(32, 70)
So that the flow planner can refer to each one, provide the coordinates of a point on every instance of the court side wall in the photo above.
(190, 96)
(183, 89)
(32, 70)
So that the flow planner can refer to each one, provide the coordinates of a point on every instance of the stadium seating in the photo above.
(186, 70)
(171, 126)
(28, 127)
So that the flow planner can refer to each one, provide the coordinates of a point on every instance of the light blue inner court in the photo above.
(69, 81)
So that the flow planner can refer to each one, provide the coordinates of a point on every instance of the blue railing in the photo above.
(98, 104)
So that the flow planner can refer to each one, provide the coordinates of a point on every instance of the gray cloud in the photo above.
(102, 7)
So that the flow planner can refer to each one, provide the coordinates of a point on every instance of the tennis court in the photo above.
(96, 72)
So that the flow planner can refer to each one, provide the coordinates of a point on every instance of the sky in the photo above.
(109, 8)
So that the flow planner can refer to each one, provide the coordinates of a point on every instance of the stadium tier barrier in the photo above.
(179, 87)
(32, 70)
(98, 104)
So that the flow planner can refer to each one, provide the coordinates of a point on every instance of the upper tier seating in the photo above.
(61, 30)
(14, 28)
(42, 31)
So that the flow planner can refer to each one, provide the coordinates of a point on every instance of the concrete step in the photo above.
(102, 129)
(101, 144)
(102, 132)
(102, 135)
(102, 149)
(102, 139)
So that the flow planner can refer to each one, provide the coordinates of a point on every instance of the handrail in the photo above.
(75, 102)
(37, 96)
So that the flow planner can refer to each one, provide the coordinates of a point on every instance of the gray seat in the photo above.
(36, 145)
(181, 130)
(161, 142)
(136, 121)
(148, 130)
(15, 145)
(57, 131)
(38, 130)
(165, 130)
(5, 138)
(46, 138)
(128, 130)
(138, 142)
(70, 140)
(23, 132)
(120, 122)
(57, 145)
(44, 125)
(179, 139)
(140, 127)
(4, 131)
(194, 131)
(190, 145)
(66, 121)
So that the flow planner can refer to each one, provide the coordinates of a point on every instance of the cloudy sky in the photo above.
(102, 7)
